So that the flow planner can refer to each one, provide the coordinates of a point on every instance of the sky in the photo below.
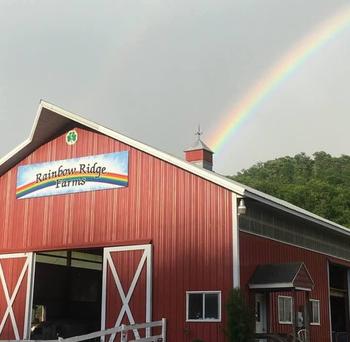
(155, 69)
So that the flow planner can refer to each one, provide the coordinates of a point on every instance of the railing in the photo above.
(123, 330)
(147, 326)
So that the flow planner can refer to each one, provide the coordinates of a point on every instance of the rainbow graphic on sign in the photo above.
(99, 172)
(281, 71)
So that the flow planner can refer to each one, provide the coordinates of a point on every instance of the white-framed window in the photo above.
(314, 312)
(203, 306)
(285, 309)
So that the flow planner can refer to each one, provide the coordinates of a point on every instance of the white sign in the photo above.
(104, 171)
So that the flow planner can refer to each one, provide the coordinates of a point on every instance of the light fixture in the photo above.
(242, 209)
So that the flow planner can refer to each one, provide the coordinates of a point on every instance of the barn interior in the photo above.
(67, 293)
(339, 299)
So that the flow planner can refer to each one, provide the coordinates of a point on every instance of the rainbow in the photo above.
(107, 178)
(277, 74)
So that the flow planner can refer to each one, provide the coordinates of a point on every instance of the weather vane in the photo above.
(199, 132)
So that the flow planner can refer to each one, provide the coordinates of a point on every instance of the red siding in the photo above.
(12, 269)
(199, 155)
(187, 219)
(257, 250)
(126, 264)
(303, 279)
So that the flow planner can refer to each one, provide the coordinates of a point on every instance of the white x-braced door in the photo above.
(16, 272)
(127, 287)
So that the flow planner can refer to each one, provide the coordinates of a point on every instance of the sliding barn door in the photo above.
(127, 287)
(15, 295)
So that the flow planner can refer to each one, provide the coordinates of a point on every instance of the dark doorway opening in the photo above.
(67, 293)
(338, 281)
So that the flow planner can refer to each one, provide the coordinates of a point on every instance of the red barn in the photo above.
(98, 230)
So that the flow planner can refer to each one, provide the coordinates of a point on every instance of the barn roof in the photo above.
(198, 145)
(52, 120)
(281, 276)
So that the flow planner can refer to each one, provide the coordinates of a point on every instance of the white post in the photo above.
(148, 250)
(29, 296)
(329, 302)
(235, 242)
(104, 292)
(123, 334)
(163, 330)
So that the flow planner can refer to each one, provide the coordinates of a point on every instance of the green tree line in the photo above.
(319, 183)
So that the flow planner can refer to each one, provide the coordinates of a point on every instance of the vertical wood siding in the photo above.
(187, 219)
(126, 263)
(256, 250)
(12, 269)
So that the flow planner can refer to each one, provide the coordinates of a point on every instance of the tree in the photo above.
(320, 184)
(240, 318)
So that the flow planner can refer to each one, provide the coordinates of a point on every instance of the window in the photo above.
(315, 312)
(285, 310)
(203, 306)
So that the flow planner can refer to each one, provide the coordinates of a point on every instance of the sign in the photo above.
(72, 137)
(104, 171)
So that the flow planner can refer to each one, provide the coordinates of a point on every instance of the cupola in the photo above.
(200, 154)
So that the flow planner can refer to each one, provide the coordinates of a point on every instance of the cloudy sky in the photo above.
(154, 69)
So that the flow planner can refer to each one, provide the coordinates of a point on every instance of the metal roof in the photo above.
(51, 120)
(278, 276)
(199, 145)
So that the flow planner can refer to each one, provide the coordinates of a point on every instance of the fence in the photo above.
(123, 330)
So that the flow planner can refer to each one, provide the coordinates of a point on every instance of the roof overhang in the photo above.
(275, 277)
(52, 120)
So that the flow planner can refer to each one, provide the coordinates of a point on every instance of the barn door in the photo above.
(15, 295)
(127, 287)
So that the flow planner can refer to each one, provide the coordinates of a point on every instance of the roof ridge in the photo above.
(30, 144)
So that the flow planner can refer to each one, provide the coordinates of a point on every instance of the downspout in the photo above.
(235, 241)
(329, 304)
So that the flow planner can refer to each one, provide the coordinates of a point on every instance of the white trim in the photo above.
(329, 303)
(278, 309)
(308, 273)
(208, 175)
(149, 288)
(128, 248)
(271, 286)
(318, 309)
(203, 293)
(303, 289)
(14, 255)
(261, 298)
(296, 273)
(235, 242)
(104, 294)
(26, 269)
(29, 296)
(126, 297)
(278, 286)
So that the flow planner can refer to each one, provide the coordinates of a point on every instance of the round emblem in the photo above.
(72, 137)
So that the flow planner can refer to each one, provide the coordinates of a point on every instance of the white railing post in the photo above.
(164, 329)
(124, 334)
(112, 332)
